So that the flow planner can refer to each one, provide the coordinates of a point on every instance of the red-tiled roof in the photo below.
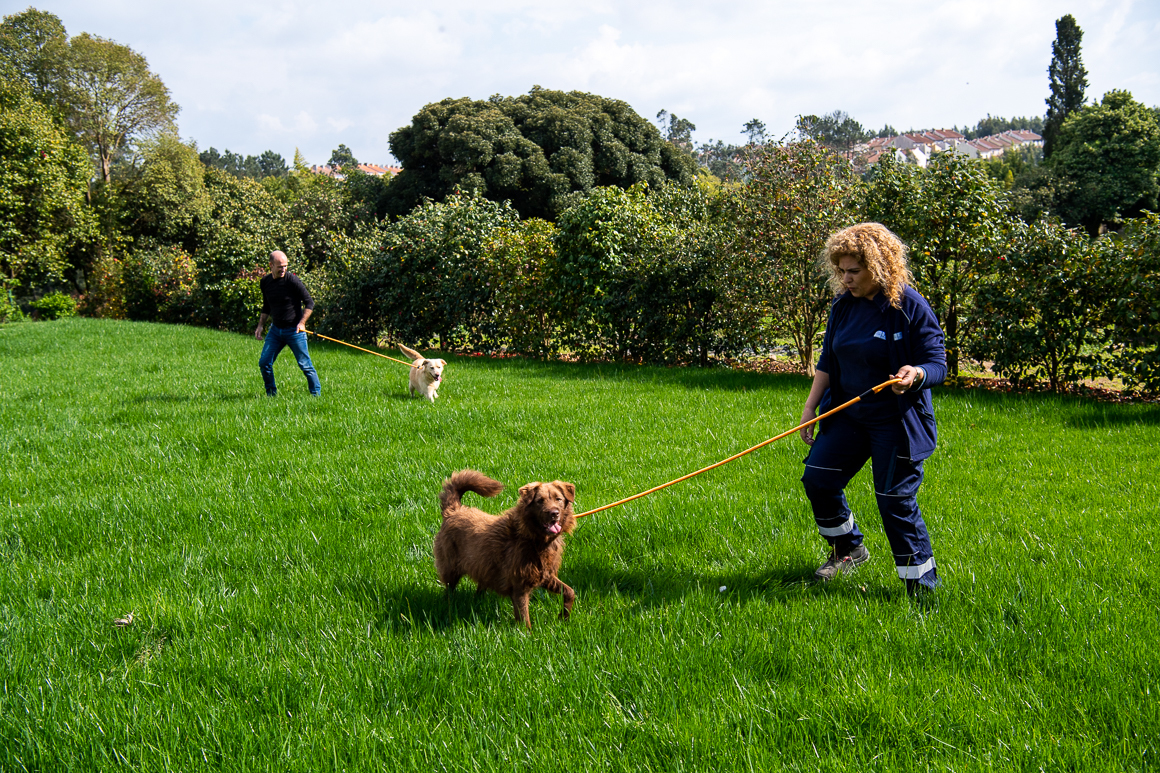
(371, 169)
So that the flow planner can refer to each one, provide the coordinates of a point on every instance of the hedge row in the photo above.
(676, 274)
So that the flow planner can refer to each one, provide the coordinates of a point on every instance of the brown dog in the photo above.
(513, 553)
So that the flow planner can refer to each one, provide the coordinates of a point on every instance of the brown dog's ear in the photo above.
(528, 490)
(569, 490)
(442, 362)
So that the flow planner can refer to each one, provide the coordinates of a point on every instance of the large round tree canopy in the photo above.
(540, 151)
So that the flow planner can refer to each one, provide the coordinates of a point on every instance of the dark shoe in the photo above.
(837, 564)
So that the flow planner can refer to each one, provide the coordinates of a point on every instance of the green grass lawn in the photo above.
(275, 554)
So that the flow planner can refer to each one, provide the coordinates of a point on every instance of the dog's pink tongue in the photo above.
(554, 528)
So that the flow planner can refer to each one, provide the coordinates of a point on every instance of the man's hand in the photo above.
(302, 326)
(258, 332)
(911, 376)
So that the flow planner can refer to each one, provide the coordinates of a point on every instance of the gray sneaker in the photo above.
(837, 564)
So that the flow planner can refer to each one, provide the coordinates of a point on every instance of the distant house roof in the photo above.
(1026, 136)
(372, 169)
(927, 142)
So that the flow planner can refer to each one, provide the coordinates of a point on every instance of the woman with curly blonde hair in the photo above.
(879, 328)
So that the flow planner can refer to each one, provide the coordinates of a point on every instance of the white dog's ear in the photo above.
(528, 490)
(443, 363)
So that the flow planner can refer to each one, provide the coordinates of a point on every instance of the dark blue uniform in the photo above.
(867, 341)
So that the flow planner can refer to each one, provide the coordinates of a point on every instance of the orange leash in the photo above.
(368, 351)
(831, 412)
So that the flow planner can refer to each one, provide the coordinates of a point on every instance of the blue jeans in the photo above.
(839, 452)
(276, 338)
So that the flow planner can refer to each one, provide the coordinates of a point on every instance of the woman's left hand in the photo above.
(911, 376)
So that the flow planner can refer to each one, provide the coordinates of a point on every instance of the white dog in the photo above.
(426, 375)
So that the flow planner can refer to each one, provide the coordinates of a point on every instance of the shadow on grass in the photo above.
(1087, 416)
(403, 611)
(418, 609)
(220, 397)
(689, 377)
(789, 584)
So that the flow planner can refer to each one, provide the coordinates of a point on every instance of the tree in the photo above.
(952, 217)
(722, 161)
(166, 198)
(754, 131)
(996, 125)
(43, 184)
(1110, 155)
(1067, 78)
(676, 131)
(232, 242)
(32, 44)
(542, 151)
(798, 194)
(271, 164)
(341, 157)
(111, 97)
(836, 130)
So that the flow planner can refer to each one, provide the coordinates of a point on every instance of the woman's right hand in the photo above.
(810, 409)
(807, 433)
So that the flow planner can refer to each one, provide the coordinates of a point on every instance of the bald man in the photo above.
(287, 303)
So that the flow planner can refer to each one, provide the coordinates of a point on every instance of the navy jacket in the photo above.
(914, 338)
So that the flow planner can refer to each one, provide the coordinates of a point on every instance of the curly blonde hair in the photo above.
(876, 249)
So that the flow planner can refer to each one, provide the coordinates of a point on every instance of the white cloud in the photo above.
(252, 76)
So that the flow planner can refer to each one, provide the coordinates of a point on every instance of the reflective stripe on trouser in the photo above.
(837, 455)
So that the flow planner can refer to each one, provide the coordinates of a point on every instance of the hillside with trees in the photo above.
(564, 224)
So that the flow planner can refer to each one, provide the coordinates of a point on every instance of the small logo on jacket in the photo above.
(880, 334)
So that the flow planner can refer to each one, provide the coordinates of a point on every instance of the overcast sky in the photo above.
(253, 75)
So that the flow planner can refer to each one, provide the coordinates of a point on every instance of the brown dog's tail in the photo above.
(414, 355)
(466, 480)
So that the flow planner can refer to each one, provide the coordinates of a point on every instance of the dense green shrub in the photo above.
(245, 224)
(56, 305)
(515, 264)
(158, 284)
(1131, 262)
(633, 276)
(1039, 309)
(9, 309)
(426, 280)
(105, 293)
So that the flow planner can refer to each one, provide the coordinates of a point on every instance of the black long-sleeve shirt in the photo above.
(283, 299)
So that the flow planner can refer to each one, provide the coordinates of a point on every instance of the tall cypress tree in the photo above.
(1068, 80)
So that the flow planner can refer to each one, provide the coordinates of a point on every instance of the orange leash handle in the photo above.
(831, 412)
(368, 351)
